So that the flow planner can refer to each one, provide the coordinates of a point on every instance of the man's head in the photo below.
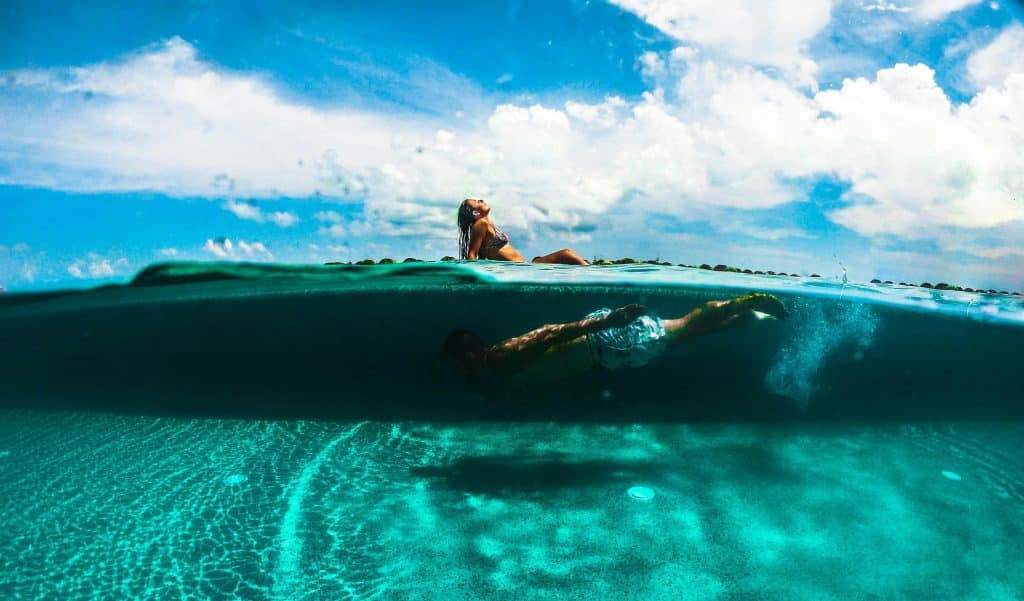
(465, 351)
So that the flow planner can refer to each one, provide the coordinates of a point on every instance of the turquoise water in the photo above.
(291, 433)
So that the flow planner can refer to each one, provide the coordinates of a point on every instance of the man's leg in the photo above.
(713, 316)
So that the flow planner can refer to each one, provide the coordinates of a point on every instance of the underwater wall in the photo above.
(348, 342)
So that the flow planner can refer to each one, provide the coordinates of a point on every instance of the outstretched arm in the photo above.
(515, 353)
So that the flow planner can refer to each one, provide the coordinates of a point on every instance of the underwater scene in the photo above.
(244, 431)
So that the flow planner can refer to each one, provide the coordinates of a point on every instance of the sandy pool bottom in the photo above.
(107, 506)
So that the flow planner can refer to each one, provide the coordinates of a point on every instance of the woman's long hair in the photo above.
(465, 225)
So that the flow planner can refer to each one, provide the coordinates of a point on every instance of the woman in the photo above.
(479, 238)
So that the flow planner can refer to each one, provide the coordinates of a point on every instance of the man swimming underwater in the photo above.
(625, 337)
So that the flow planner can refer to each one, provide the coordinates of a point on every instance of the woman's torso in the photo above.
(496, 246)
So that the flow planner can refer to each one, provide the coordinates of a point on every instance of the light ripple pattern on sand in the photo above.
(287, 577)
(109, 506)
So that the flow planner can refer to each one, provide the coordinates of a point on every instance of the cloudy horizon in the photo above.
(882, 138)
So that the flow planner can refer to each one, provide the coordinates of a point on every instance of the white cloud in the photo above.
(169, 252)
(651, 65)
(990, 66)
(604, 114)
(244, 210)
(932, 10)
(224, 248)
(283, 219)
(769, 32)
(918, 162)
(712, 134)
(96, 266)
(921, 10)
(251, 212)
(101, 269)
(883, 6)
(329, 216)
(335, 230)
(188, 119)
(164, 120)
(999, 252)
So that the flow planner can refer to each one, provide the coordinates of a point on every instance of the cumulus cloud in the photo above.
(244, 210)
(252, 212)
(224, 248)
(712, 134)
(990, 66)
(604, 114)
(930, 10)
(921, 10)
(1000, 252)
(770, 32)
(917, 161)
(164, 120)
(96, 266)
(329, 216)
(887, 7)
(283, 218)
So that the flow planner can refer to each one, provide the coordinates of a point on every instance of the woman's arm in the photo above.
(476, 238)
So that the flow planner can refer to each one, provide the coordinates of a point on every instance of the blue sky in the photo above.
(780, 134)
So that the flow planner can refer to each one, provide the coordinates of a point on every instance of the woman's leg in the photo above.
(566, 256)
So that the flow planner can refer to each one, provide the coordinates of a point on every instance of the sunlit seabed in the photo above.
(144, 507)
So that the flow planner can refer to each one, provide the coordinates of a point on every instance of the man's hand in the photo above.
(623, 316)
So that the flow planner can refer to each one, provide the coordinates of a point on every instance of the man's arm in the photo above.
(515, 353)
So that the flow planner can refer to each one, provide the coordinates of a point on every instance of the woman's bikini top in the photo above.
(498, 240)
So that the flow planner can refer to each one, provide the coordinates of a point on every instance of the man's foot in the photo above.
(762, 302)
(753, 306)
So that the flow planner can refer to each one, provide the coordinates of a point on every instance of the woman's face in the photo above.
(479, 207)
